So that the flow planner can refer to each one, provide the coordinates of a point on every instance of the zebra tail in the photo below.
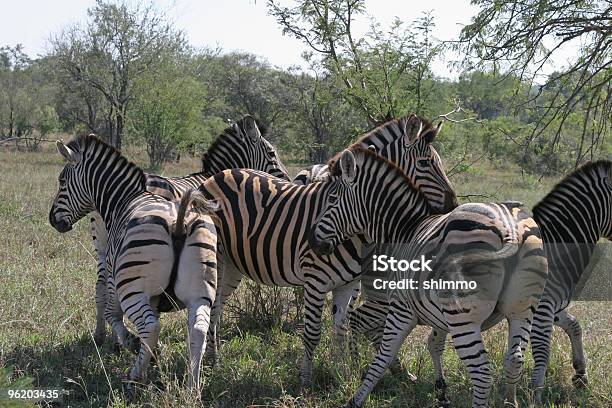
(168, 301)
(198, 203)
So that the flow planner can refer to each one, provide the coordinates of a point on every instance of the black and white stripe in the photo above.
(241, 145)
(572, 217)
(491, 244)
(265, 224)
(159, 256)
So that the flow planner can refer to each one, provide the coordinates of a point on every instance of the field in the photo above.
(47, 318)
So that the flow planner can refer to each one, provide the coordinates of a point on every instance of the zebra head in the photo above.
(95, 178)
(242, 145)
(368, 196)
(70, 203)
(407, 143)
(422, 164)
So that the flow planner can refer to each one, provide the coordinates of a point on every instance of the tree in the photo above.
(521, 37)
(373, 71)
(167, 111)
(27, 111)
(325, 124)
(13, 63)
(116, 45)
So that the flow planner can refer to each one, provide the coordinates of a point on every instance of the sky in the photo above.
(229, 24)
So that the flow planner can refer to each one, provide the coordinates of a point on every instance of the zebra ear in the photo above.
(431, 134)
(348, 166)
(251, 129)
(412, 128)
(68, 154)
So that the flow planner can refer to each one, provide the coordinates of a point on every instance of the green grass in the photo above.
(47, 317)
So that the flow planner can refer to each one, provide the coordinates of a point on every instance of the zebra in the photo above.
(258, 211)
(425, 169)
(159, 257)
(241, 145)
(573, 216)
(375, 198)
(584, 219)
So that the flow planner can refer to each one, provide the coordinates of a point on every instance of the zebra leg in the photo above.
(114, 316)
(229, 279)
(572, 328)
(146, 321)
(399, 323)
(467, 339)
(369, 319)
(196, 286)
(343, 301)
(313, 301)
(435, 345)
(199, 320)
(541, 331)
(514, 361)
(100, 240)
(101, 300)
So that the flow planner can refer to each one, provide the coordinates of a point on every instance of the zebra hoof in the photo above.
(99, 338)
(580, 381)
(128, 391)
(351, 404)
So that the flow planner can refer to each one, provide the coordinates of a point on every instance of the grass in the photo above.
(47, 317)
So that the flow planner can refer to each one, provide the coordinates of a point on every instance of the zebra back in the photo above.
(573, 216)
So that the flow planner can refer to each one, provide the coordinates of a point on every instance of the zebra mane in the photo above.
(363, 141)
(229, 132)
(84, 142)
(588, 169)
(335, 170)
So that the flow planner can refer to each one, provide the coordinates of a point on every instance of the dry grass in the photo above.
(47, 316)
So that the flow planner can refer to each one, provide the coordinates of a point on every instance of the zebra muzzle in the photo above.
(60, 225)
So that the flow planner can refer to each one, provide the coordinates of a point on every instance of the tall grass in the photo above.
(47, 317)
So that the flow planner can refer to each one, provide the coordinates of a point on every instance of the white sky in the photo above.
(229, 24)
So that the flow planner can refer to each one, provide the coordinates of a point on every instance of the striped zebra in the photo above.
(424, 168)
(241, 145)
(264, 224)
(572, 217)
(158, 254)
(475, 242)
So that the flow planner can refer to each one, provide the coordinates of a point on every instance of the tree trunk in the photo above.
(118, 137)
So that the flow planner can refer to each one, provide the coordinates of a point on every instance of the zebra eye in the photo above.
(332, 199)
(423, 163)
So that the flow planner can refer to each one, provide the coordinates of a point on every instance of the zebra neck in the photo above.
(224, 153)
(397, 220)
(116, 192)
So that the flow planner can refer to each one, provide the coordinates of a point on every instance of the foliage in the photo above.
(105, 56)
(521, 38)
(27, 111)
(383, 73)
(167, 111)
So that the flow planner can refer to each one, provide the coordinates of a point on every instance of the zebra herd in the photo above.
(165, 244)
